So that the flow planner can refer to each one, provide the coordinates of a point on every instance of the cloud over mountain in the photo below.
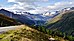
(38, 6)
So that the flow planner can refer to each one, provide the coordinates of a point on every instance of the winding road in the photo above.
(4, 29)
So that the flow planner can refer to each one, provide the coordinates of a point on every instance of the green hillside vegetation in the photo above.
(6, 21)
(64, 24)
(26, 33)
(55, 19)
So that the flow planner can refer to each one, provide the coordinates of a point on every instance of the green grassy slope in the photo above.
(64, 24)
(6, 21)
(55, 19)
(25, 33)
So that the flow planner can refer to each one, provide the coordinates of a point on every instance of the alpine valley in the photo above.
(58, 25)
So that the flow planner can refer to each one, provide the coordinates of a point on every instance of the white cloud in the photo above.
(11, 0)
(30, 6)
(60, 5)
(56, 6)
(45, 0)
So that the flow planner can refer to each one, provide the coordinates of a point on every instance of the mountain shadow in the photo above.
(6, 21)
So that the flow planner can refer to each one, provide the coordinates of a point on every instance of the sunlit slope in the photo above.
(23, 33)
(64, 23)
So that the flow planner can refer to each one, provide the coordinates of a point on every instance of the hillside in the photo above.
(63, 22)
(6, 21)
(25, 33)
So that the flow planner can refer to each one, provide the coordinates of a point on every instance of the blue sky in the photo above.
(49, 2)
(35, 6)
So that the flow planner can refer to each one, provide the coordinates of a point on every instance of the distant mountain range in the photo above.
(32, 19)
(20, 18)
(28, 18)
(25, 18)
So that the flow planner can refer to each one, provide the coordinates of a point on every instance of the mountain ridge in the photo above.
(64, 23)
(6, 21)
